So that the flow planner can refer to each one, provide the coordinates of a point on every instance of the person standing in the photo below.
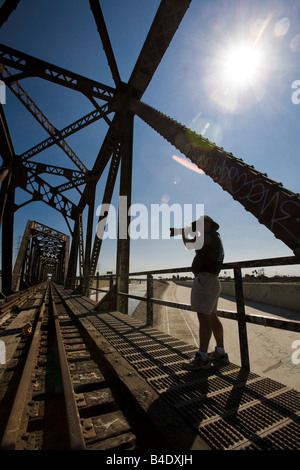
(206, 289)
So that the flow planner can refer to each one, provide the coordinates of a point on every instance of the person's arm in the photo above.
(188, 242)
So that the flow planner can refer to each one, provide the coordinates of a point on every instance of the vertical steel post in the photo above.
(97, 286)
(81, 247)
(5, 181)
(149, 302)
(7, 190)
(21, 259)
(28, 274)
(7, 240)
(88, 242)
(241, 318)
(72, 267)
(123, 247)
(66, 258)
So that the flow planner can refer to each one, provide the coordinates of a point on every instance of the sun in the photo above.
(242, 65)
(236, 77)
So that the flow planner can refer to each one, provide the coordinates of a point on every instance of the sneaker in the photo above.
(219, 357)
(197, 362)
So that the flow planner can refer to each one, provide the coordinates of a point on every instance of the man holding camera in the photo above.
(206, 289)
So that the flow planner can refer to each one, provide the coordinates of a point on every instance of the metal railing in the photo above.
(239, 315)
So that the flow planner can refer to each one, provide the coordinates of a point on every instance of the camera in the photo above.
(175, 231)
(180, 231)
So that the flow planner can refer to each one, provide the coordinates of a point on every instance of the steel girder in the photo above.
(76, 126)
(165, 24)
(117, 144)
(7, 153)
(36, 112)
(32, 67)
(101, 26)
(274, 206)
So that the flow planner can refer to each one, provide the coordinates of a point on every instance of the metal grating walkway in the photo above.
(229, 407)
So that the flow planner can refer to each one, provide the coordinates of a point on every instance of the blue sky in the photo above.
(261, 127)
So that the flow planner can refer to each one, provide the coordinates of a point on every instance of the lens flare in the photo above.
(187, 164)
(282, 26)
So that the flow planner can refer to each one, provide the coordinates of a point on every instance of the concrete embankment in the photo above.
(140, 313)
(278, 294)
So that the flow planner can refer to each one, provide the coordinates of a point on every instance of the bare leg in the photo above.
(205, 331)
(208, 325)
(217, 329)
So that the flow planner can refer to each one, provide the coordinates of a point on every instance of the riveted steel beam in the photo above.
(8, 154)
(123, 245)
(33, 67)
(110, 184)
(274, 206)
(36, 112)
(76, 126)
(165, 24)
(101, 26)
(6, 9)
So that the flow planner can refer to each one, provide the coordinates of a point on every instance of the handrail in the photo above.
(240, 316)
(257, 263)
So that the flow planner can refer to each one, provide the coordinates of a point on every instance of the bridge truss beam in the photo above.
(43, 253)
(274, 206)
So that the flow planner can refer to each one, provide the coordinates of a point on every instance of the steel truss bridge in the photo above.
(274, 206)
(47, 253)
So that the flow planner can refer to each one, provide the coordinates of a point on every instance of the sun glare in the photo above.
(242, 65)
(237, 76)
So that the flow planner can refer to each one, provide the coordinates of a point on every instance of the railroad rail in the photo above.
(65, 398)
(11, 306)
(102, 380)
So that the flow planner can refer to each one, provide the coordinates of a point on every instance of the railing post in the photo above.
(149, 296)
(97, 286)
(241, 318)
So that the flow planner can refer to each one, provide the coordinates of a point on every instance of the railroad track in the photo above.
(12, 305)
(64, 398)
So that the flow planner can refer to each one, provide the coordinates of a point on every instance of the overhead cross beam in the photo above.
(32, 67)
(74, 177)
(28, 102)
(76, 126)
(41, 190)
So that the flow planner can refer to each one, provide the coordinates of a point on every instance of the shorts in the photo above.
(205, 293)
